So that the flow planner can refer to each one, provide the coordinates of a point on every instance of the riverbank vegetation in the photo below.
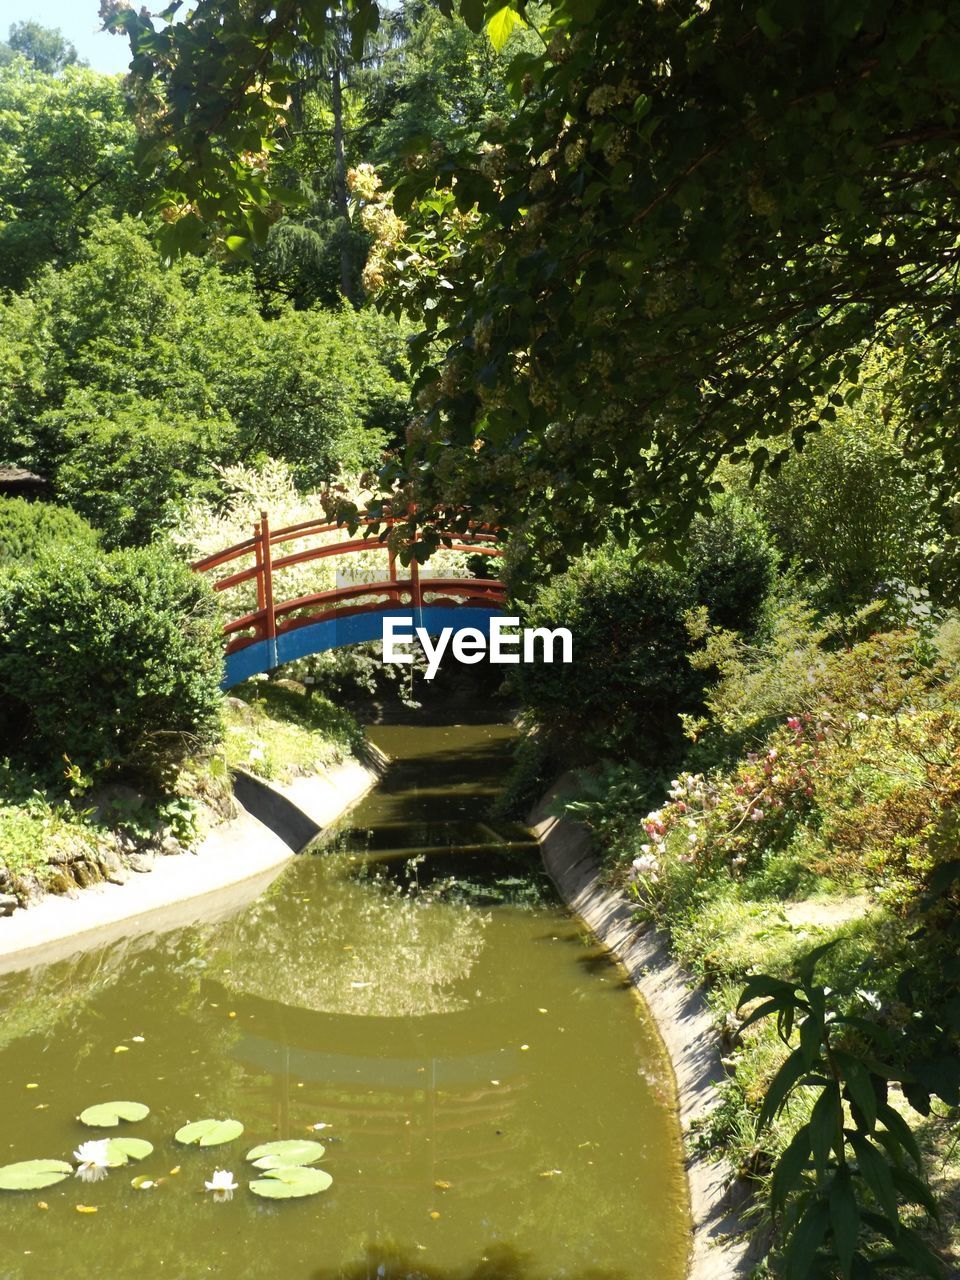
(666, 296)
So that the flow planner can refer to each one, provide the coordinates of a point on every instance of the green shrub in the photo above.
(130, 465)
(732, 564)
(111, 660)
(27, 527)
(632, 680)
(630, 675)
(849, 511)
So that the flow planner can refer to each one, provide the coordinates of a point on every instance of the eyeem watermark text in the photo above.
(506, 643)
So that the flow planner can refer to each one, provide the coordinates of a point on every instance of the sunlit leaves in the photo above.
(290, 1182)
(31, 1175)
(121, 1150)
(835, 1184)
(502, 26)
(107, 1115)
(293, 1151)
(209, 1133)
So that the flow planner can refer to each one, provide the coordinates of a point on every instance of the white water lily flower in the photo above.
(93, 1160)
(222, 1185)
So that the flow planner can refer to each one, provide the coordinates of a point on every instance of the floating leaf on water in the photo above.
(441, 1185)
(86, 1208)
(290, 1182)
(434, 1214)
(294, 1151)
(42, 1204)
(209, 1133)
(122, 1048)
(551, 1173)
(107, 1115)
(31, 1085)
(120, 1150)
(174, 1171)
(142, 1184)
(32, 1175)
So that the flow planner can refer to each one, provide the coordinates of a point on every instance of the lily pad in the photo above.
(290, 1182)
(294, 1151)
(120, 1150)
(107, 1115)
(31, 1175)
(209, 1133)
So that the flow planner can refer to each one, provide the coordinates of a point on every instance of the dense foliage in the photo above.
(632, 642)
(68, 157)
(110, 661)
(128, 381)
(675, 250)
(27, 528)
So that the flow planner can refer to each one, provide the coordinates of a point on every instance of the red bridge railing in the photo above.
(271, 619)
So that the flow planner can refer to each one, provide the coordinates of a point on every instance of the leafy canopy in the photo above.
(674, 251)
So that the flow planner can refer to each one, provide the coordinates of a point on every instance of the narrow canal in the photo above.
(491, 1095)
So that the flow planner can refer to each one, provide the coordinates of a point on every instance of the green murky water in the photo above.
(496, 1100)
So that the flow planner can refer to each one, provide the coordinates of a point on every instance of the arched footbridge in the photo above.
(369, 585)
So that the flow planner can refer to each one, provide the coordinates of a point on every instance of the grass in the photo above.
(272, 729)
(280, 731)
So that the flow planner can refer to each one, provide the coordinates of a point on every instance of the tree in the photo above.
(68, 156)
(45, 47)
(676, 250)
(126, 379)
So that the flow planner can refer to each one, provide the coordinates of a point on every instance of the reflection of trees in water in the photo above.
(52, 1000)
(361, 947)
(499, 1262)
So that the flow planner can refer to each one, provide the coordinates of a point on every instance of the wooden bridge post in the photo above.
(265, 582)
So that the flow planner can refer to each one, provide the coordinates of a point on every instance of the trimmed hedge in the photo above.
(113, 661)
(26, 528)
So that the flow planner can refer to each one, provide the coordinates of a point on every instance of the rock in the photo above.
(169, 846)
(140, 862)
(111, 868)
(85, 873)
(242, 710)
(292, 686)
(6, 879)
(60, 883)
(8, 904)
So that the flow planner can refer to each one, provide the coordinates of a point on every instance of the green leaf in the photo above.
(844, 1218)
(120, 1150)
(806, 1240)
(294, 1151)
(502, 26)
(780, 1086)
(209, 1133)
(860, 1092)
(825, 1121)
(899, 1128)
(290, 1182)
(31, 1175)
(107, 1115)
(471, 11)
(763, 985)
(787, 1175)
(914, 1191)
(876, 1174)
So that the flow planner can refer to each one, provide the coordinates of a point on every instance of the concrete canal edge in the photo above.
(236, 861)
(720, 1248)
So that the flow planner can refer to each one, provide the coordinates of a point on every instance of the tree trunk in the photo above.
(340, 175)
